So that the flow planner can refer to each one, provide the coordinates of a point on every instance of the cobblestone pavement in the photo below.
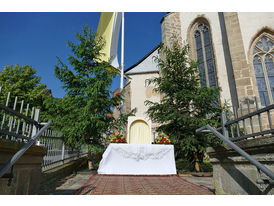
(141, 185)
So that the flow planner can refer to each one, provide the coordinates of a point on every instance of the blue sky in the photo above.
(37, 38)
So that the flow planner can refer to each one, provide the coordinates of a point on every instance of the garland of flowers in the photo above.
(162, 139)
(117, 137)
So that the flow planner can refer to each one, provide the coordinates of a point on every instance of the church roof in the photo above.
(146, 64)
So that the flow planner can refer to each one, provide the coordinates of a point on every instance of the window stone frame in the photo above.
(269, 34)
(192, 44)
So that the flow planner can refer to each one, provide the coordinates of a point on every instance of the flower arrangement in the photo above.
(118, 137)
(162, 139)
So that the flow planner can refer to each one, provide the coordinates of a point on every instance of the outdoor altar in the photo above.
(138, 159)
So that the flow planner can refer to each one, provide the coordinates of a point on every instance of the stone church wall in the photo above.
(232, 34)
(181, 25)
(171, 25)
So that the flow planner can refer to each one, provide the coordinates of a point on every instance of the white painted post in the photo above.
(63, 151)
(36, 118)
(4, 116)
(12, 119)
(223, 119)
(122, 54)
(122, 61)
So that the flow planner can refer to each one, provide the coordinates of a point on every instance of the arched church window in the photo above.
(263, 55)
(205, 55)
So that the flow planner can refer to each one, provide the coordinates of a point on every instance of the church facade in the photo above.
(235, 52)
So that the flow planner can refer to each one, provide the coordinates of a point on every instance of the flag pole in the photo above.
(122, 59)
(122, 54)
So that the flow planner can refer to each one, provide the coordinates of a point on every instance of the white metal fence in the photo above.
(20, 123)
(57, 152)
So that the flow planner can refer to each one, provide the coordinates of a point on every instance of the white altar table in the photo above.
(138, 159)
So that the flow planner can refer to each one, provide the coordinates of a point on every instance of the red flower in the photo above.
(164, 139)
(118, 130)
(113, 134)
(167, 141)
(121, 141)
(161, 142)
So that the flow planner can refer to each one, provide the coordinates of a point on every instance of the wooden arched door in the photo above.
(139, 133)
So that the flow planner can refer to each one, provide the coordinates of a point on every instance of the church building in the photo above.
(235, 52)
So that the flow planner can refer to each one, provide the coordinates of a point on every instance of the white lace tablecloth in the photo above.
(138, 159)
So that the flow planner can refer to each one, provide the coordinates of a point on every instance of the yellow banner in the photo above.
(105, 30)
(109, 29)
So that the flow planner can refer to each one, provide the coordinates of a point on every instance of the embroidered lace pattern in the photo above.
(142, 153)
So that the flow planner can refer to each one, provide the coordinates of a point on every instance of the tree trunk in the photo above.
(197, 166)
(89, 160)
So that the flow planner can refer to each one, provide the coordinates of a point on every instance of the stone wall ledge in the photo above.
(262, 146)
(9, 146)
(27, 169)
(32, 155)
(234, 174)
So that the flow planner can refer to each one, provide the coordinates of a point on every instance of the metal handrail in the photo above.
(18, 154)
(268, 172)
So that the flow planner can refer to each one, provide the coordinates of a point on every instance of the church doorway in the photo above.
(139, 133)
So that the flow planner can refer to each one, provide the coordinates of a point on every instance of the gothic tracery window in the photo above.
(205, 55)
(263, 55)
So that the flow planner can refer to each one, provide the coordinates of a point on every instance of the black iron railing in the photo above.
(245, 123)
(240, 125)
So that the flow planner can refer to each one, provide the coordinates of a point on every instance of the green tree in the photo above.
(184, 106)
(22, 82)
(84, 114)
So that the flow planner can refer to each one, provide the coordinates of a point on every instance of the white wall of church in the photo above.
(140, 93)
(251, 24)
(187, 19)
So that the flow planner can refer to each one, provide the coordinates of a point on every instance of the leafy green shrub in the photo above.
(96, 158)
(206, 167)
(184, 165)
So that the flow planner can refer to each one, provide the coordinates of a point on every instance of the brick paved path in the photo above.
(140, 185)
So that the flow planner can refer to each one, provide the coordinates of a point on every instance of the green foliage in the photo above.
(185, 106)
(184, 166)
(96, 158)
(84, 114)
(206, 166)
(22, 82)
(121, 121)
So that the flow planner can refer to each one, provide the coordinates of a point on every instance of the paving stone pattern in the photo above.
(140, 185)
